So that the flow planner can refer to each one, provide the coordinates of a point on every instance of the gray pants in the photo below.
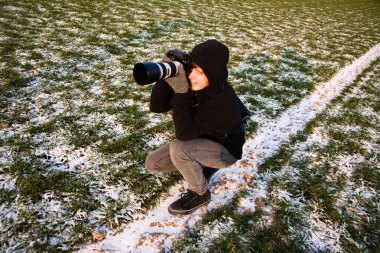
(188, 157)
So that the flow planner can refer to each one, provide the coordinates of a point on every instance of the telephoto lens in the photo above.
(150, 72)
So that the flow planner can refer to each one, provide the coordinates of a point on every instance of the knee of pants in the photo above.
(150, 163)
(179, 150)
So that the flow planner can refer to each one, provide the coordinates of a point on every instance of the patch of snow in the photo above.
(325, 236)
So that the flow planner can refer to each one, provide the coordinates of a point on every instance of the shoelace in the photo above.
(186, 196)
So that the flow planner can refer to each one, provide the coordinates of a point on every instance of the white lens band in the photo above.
(161, 71)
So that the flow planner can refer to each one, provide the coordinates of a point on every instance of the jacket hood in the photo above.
(212, 56)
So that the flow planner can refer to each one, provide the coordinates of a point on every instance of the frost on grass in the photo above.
(199, 239)
(269, 88)
(74, 127)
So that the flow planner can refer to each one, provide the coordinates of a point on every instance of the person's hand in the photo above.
(165, 57)
(178, 82)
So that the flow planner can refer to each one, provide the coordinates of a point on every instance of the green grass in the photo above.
(69, 106)
(283, 82)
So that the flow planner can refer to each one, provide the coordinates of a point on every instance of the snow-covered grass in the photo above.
(322, 188)
(75, 129)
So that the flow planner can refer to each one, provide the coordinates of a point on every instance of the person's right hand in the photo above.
(178, 82)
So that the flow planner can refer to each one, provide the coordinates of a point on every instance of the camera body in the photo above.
(150, 72)
(181, 56)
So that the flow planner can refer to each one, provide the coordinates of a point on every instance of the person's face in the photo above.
(198, 79)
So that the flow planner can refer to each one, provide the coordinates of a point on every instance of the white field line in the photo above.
(156, 230)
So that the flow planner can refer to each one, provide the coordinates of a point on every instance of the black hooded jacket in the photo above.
(214, 112)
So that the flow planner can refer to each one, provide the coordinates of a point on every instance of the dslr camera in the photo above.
(150, 72)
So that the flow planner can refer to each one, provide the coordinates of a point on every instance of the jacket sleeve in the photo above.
(161, 97)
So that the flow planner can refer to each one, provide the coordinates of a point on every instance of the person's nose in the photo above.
(191, 75)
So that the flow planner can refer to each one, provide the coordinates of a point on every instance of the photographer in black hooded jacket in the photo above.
(209, 123)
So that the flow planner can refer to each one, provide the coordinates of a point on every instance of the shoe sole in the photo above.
(187, 211)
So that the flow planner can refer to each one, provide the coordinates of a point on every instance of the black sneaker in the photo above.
(189, 202)
(209, 172)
